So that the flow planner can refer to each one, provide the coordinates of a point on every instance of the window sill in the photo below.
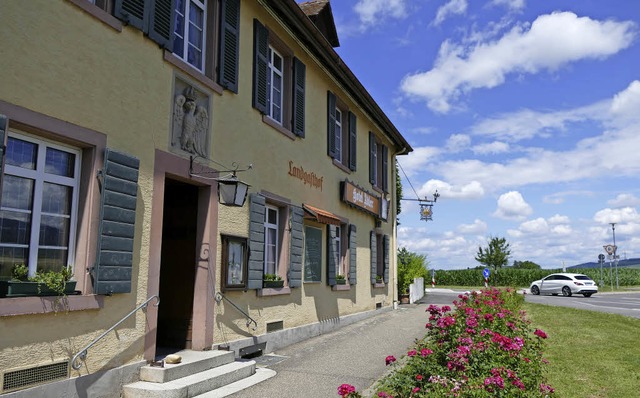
(379, 285)
(273, 291)
(377, 189)
(50, 304)
(339, 288)
(98, 13)
(281, 129)
(189, 70)
(341, 166)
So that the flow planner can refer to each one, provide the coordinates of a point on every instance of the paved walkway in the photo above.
(353, 354)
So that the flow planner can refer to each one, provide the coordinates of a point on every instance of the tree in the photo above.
(495, 255)
(398, 191)
(410, 265)
(525, 265)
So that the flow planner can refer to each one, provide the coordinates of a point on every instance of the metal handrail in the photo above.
(220, 296)
(82, 355)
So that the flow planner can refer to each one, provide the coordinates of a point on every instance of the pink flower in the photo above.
(546, 389)
(389, 360)
(412, 353)
(415, 389)
(540, 334)
(346, 389)
(419, 377)
(425, 352)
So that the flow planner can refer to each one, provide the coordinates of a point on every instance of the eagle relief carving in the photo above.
(190, 123)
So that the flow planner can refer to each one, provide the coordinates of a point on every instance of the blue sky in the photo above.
(523, 114)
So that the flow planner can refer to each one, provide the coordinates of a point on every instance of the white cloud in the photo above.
(558, 219)
(478, 227)
(371, 11)
(514, 5)
(472, 190)
(624, 200)
(625, 105)
(416, 162)
(559, 197)
(549, 43)
(458, 142)
(538, 226)
(527, 124)
(512, 206)
(452, 7)
(491, 148)
(623, 215)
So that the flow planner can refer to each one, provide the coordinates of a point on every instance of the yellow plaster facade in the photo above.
(78, 76)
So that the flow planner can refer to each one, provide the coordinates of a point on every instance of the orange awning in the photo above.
(321, 216)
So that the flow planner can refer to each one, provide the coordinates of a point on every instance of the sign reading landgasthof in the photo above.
(360, 198)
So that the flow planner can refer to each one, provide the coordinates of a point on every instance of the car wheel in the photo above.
(566, 291)
(535, 290)
(587, 294)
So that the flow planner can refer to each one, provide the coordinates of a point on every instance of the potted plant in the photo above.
(379, 279)
(272, 281)
(340, 279)
(49, 283)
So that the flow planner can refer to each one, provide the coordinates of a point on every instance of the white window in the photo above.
(39, 205)
(189, 32)
(338, 135)
(271, 218)
(337, 250)
(274, 84)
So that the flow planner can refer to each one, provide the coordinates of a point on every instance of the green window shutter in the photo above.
(114, 260)
(331, 124)
(161, 17)
(260, 66)
(295, 268)
(229, 44)
(256, 241)
(131, 12)
(372, 158)
(385, 169)
(352, 254)
(299, 72)
(352, 141)
(331, 253)
(374, 257)
(385, 241)
(4, 130)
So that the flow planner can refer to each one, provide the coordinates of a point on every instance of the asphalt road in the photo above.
(627, 304)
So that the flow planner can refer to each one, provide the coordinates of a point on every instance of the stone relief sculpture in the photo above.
(190, 123)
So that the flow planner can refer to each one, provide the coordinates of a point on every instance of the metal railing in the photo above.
(82, 355)
(219, 297)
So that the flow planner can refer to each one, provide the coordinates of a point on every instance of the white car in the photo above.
(565, 283)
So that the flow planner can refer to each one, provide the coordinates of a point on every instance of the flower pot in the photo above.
(272, 284)
(341, 281)
(404, 299)
(26, 289)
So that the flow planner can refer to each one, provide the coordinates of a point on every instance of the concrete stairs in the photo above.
(201, 374)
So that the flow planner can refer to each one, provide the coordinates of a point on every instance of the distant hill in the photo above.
(630, 262)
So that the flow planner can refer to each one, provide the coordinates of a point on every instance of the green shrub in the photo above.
(484, 347)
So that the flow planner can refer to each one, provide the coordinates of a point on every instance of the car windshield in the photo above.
(582, 278)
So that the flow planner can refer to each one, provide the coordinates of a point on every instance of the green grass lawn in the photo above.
(591, 354)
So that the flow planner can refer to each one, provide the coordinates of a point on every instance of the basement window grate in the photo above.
(29, 377)
(275, 326)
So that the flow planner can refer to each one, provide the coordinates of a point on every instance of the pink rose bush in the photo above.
(484, 347)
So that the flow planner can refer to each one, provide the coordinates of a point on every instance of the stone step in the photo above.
(261, 375)
(194, 384)
(192, 362)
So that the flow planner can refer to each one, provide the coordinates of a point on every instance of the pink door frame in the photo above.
(176, 167)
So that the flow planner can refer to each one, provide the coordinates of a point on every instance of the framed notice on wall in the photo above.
(312, 254)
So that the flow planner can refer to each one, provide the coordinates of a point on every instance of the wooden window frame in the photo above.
(227, 240)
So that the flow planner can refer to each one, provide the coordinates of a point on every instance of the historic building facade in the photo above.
(121, 120)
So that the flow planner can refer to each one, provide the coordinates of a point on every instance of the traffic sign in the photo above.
(486, 272)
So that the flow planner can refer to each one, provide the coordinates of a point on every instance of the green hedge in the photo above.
(524, 277)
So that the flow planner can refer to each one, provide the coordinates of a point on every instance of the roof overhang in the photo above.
(321, 216)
